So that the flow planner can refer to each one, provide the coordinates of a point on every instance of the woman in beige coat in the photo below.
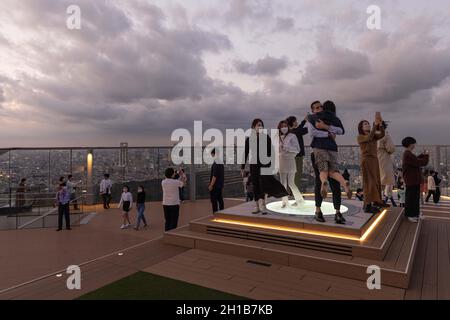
(386, 148)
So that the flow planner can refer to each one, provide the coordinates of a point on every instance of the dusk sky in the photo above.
(137, 70)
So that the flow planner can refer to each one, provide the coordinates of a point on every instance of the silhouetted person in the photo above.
(216, 183)
(63, 201)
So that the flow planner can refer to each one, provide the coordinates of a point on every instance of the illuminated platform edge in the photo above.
(391, 245)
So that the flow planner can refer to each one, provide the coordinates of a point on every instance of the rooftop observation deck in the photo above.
(32, 259)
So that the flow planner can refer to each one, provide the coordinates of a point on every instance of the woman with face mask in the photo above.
(264, 184)
(367, 140)
(289, 148)
(126, 202)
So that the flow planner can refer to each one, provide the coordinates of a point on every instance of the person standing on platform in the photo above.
(126, 202)
(386, 149)
(105, 190)
(171, 198)
(63, 203)
(140, 206)
(216, 183)
(401, 191)
(431, 187)
(412, 174)
(370, 168)
(324, 125)
(335, 186)
(423, 186)
(264, 184)
(289, 149)
(299, 130)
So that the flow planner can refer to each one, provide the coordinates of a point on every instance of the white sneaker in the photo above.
(414, 220)
(122, 227)
(127, 225)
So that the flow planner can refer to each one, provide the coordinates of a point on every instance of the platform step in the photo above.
(395, 268)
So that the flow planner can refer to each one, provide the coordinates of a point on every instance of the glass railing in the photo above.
(145, 166)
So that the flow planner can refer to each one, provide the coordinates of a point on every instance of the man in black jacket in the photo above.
(216, 183)
(299, 130)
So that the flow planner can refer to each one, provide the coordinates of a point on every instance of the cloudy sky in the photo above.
(138, 69)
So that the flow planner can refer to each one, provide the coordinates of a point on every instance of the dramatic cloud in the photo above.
(266, 66)
(138, 70)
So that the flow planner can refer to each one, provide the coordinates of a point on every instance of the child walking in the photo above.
(140, 206)
(126, 202)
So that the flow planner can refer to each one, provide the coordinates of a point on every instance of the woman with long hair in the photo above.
(386, 149)
(263, 184)
(370, 168)
(289, 148)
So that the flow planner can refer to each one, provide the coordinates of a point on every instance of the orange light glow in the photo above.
(304, 231)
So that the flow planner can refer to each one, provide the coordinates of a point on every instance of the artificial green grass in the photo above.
(147, 286)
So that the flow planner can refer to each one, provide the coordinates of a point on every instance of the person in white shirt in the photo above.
(126, 202)
(105, 190)
(171, 198)
(289, 148)
(71, 187)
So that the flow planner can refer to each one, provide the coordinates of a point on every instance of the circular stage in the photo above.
(307, 209)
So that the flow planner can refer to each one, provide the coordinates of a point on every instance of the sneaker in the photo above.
(122, 227)
(413, 219)
(127, 225)
(58, 229)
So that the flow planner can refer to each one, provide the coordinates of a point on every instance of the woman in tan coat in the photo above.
(367, 140)
(386, 148)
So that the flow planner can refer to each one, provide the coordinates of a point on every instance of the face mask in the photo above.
(284, 130)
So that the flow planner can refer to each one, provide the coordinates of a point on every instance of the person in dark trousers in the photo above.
(299, 130)
(431, 187)
(140, 206)
(335, 185)
(63, 202)
(437, 182)
(216, 182)
(171, 198)
(412, 172)
(105, 190)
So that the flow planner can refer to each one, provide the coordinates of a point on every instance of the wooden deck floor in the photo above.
(430, 278)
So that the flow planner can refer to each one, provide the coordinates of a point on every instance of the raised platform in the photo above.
(387, 240)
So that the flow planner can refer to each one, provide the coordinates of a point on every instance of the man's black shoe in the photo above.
(58, 229)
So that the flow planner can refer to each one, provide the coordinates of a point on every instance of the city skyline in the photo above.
(137, 70)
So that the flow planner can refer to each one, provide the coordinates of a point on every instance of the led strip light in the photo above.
(303, 231)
